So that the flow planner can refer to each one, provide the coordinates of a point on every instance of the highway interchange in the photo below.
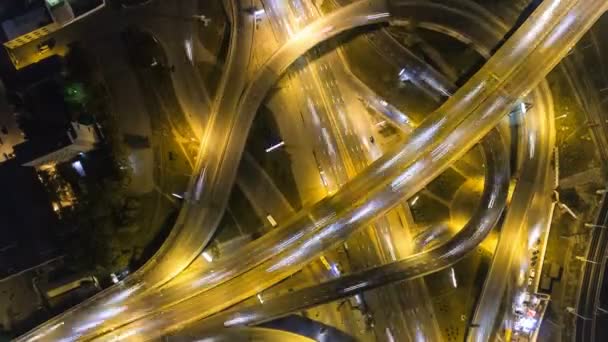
(166, 295)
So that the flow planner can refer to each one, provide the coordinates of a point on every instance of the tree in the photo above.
(76, 95)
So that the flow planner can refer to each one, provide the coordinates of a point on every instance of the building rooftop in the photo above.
(36, 148)
(59, 147)
(26, 22)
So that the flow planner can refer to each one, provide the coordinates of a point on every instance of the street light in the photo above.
(414, 201)
(567, 209)
(453, 276)
(599, 308)
(591, 225)
(207, 256)
(578, 257)
(275, 146)
(573, 311)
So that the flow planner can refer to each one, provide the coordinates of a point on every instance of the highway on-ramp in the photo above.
(448, 134)
(492, 203)
(493, 90)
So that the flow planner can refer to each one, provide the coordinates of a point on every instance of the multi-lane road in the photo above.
(204, 207)
(440, 140)
(342, 121)
(487, 215)
(339, 224)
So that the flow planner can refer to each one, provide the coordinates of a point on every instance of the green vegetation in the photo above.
(104, 209)
(100, 216)
(75, 94)
(113, 228)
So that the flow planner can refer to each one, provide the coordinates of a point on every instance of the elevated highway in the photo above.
(492, 204)
(494, 89)
(200, 213)
(448, 133)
